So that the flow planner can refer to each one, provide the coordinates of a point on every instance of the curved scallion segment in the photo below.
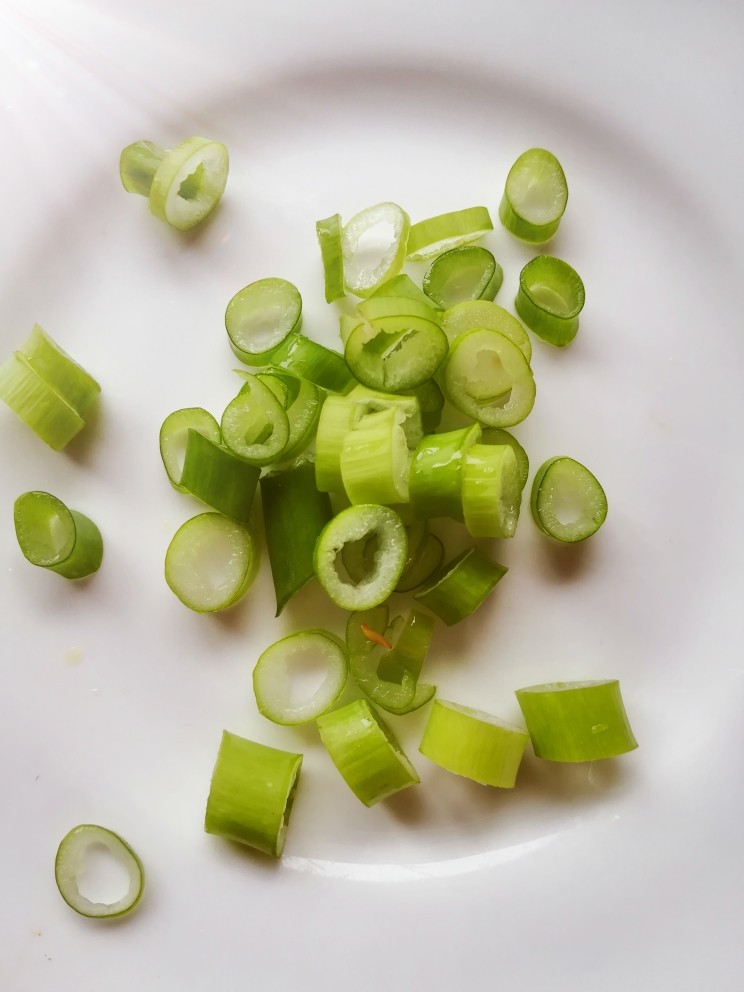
(424, 564)
(211, 562)
(473, 744)
(174, 436)
(466, 273)
(73, 857)
(251, 794)
(54, 537)
(483, 315)
(567, 501)
(218, 478)
(364, 750)
(373, 244)
(337, 418)
(360, 523)
(435, 479)
(402, 285)
(300, 677)
(328, 231)
(374, 459)
(550, 298)
(441, 233)
(260, 317)
(368, 400)
(302, 401)
(183, 184)
(358, 557)
(254, 425)
(495, 435)
(488, 378)
(295, 512)
(576, 721)
(491, 491)
(459, 588)
(535, 196)
(314, 362)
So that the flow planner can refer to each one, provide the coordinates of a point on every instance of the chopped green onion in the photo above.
(550, 298)
(576, 721)
(465, 273)
(568, 502)
(302, 401)
(314, 362)
(76, 386)
(255, 425)
(495, 435)
(300, 677)
(364, 750)
(174, 435)
(295, 512)
(218, 478)
(435, 481)
(491, 493)
(36, 403)
(431, 404)
(488, 378)
(438, 234)
(359, 523)
(535, 196)
(54, 537)
(73, 863)
(211, 562)
(329, 239)
(337, 417)
(251, 794)
(401, 285)
(473, 744)
(459, 588)
(358, 557)
(260, 317)
(183, 184)
(480, 315)
(372, 401)
(374, 244)
(424, 564)
(375, 458)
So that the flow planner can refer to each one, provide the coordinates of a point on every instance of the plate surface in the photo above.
(619, 875)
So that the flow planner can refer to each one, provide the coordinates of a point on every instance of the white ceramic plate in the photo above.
(624, 875)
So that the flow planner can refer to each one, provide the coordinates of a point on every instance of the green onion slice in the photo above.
(218, 478)
(402, 285)
(374, 459)
(469, 272)
(174, 436)
(435, 480)
(480, 315)
(395, 353)
(360, 523)
(366, 753)
(183, 184)
(438, 234)
(251, 794)
(495, 435)
(37, 404)
(358, 557)
(337, 417)
(567, 502)
(368, 400)
(431, 404)
(255, 425)
(491, 491)
(211, 562)
(550, 298)
(301, 400)
(54, 537)
(329, 239)
(488, 378)
(300, 677)
(576, 721)
(373, 244)
(473, 744)
(314, 362)
(535, 196)
(73, 863)
(260, 317)
(423, 565)
(76, 386)
(460, 586)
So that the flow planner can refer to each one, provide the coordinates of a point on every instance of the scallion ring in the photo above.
(567, 501)
(469, 272)
(73, 864)
(374, 244)
(438, 234)
(56, 538)
(260, 317)
(550, 298)
(535, 196)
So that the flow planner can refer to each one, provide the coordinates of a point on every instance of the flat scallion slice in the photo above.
(438, 234)
(218, 478)
(314, 362)
(576, 721)
(491, 491)
(254, 425)
(366, 753)
(402, 285)
(483, 315)
(75, 863)
(460, 586)
(54, 537)
(567, 501)
(495, 435)
(374, 459)
(328, 231)
(260, 317)
(469, 272)
(360, 523)
(183, 184)
(373, 245)
(473, 744)
(302, 401)
(174, 436)
(435, 479)
(550, 298)
(423, 565)
(535, 196)
(251, 794)
(211, 562)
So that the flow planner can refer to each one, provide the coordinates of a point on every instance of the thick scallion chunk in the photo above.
(535, 196)
(260, 317)
(567, 501)
(435, 481)
(491, 491)
(550, 298)
(54, 537)
(495, 435)
(469, 272)
(374, 459)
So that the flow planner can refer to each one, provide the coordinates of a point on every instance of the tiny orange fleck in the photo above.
(376, 638)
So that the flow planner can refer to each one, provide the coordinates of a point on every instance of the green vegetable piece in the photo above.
(54, 537)
(567, 502)
(466, 273)
(550, 298)
(535, 196)
(70, 864)
(459, 588)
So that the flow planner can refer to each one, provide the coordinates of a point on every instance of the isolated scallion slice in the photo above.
(174, 435)
(374, 459)
(254, 424)
(211, 561)
(473, 744)
(550, 298)
(73, 864)
(535, 196)
(495, 435)
(460, 586)
(576, 721)
(328, 231)
(66, 377)
(567, 501)
(183, 184)
(260, 317)
(251, 794)
(435, 479)
(366, 753)
(483, 315)
(491, 491)
(54, 537)
(37, 404)
(402, 285)
(469, 272)
(445, 231)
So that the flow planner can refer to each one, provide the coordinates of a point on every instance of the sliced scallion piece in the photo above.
(460, 586)
(255, 425)
(174, 435)
(550, 298)
(438, 234)
(535, 196)
(576, 721)
(260, 317)
(364, 750)
(431, 403)
(301, 400)
(473, 744)
(54, 537)
(424, 564)
(469, 272)
(567, 501)
(251, 794)
(314, 362)
(435, 480)
(358, 557)
(367, 400)
(337, 418)
(37, 404)
(218, 478)
(300, 677)
(328, 231)
(495, 435)
(402, 285)
(374, 459)
(480, 315)
(373, 244)
(491, 491)
(73, 863)
(76, 386)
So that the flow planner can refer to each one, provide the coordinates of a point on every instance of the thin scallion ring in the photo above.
(435, 235)
(69, 869)
(550, 298)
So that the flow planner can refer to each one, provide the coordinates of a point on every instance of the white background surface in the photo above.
(624, 875)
